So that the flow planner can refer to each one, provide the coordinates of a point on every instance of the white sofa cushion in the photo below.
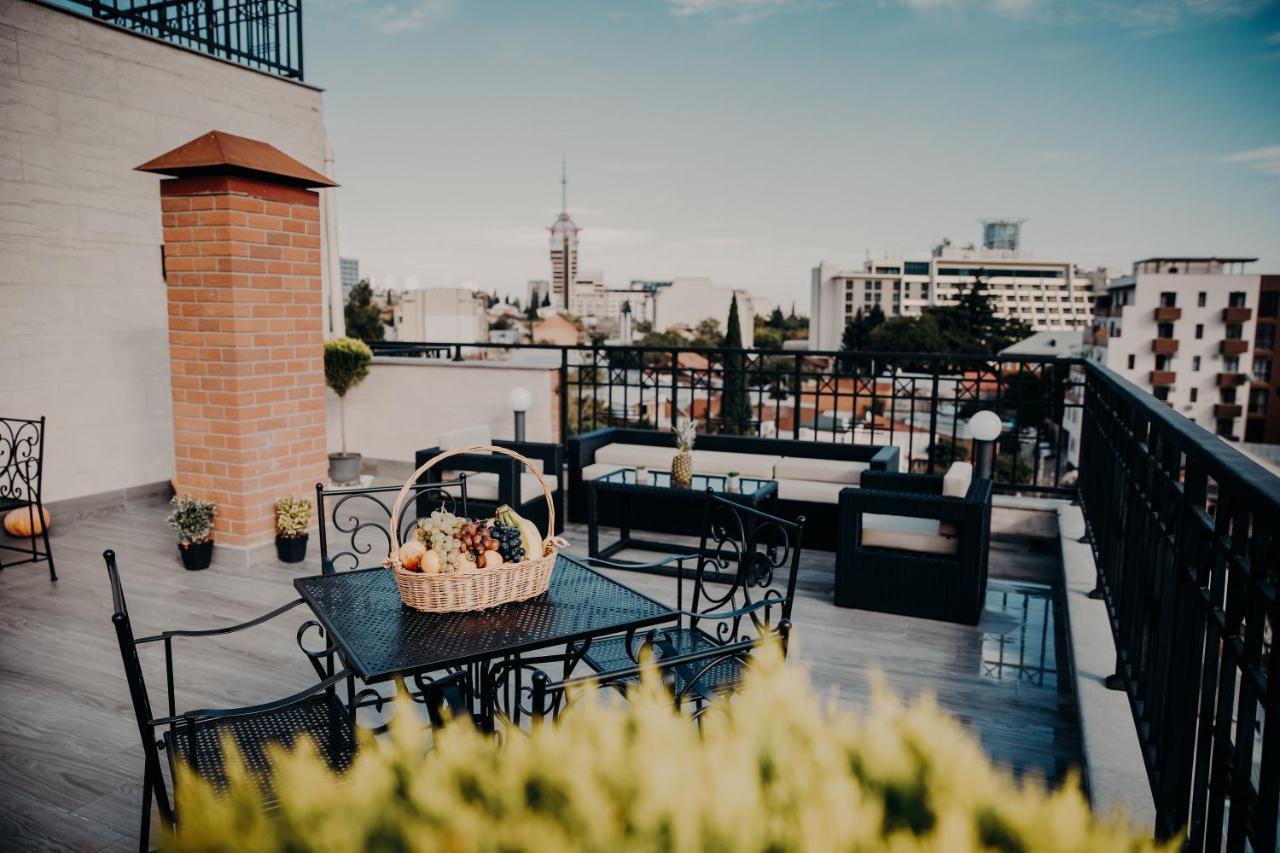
(754, 465)
(631, 455)
(471, 436)
(955, 483)
(600, 469)
(484, 486)
(810, 491)
(904, 533)
(824, 470)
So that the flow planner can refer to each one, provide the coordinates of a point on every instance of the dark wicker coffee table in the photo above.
(683, 503)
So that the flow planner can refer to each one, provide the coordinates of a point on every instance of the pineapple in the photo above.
(682, 463)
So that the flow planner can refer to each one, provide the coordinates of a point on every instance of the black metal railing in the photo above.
(1184, 531)
(261, 34)
(915, 401)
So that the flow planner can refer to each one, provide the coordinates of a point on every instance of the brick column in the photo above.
(242, 264)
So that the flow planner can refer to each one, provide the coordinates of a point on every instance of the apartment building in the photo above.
(441, 314)
(1184, 329)
(1262, 415)
(1048, 295)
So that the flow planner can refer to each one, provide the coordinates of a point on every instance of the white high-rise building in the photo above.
(564, 250)
(442, 314)
(1183, 329)
(1048, 295)
(350, 269)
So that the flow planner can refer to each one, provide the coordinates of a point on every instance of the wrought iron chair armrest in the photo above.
(229, 629)
(205, 714)
(612, 564)
(733, 614)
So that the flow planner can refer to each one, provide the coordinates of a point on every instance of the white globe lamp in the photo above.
(519, 399)
(984, 428)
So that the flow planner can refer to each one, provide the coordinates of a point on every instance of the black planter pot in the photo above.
(293, 550)
(196, 557)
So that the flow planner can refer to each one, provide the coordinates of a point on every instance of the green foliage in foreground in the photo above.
(776, 769)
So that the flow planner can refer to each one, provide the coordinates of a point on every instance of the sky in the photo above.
(748, 140)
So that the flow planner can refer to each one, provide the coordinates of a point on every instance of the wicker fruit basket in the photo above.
(483, 588)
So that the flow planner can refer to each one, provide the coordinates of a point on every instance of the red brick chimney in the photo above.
(242, 264)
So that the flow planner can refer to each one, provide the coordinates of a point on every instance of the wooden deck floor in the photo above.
(70, 761)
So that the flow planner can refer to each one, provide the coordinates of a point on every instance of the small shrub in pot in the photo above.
(192, 518)
(293, 518)
(346, 364)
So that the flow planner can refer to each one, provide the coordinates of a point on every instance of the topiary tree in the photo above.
(346, 364)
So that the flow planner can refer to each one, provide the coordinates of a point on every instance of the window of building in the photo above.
(1231, 364)
(916, 267)
(1262, 368)
(1235, 332)
(1258, 401)
(1132, 361)
(1269, 303)
(1160, 392)
(1168, 299)
(1265, 337)
(1195, 392)
(1195, 362)
(1199, 331)
(1235, 299)
(1201, 297)
(1227, 395)
(1225, 427)
(1164, 330)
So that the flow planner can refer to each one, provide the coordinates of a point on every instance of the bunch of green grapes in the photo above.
(436, 531)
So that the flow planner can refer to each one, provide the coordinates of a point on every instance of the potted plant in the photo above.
(732, 483)
(293, 517)
(192, 518)
(346, 364)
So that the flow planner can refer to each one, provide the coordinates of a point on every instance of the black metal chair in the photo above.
(950, 586)
(21, 479)
(195, 736)
(509, 476)
(734, 594)
(691, 678)
(361, 519)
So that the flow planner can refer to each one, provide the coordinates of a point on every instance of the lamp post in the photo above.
(519, 400)
(984, 429)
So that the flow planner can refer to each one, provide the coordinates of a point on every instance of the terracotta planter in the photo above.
(197, 556)
(293, 549)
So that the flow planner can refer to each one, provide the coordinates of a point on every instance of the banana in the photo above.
(530, 538)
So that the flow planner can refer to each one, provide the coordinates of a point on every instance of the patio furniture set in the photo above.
(751, 505)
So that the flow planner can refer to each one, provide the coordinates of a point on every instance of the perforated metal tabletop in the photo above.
(380, 637)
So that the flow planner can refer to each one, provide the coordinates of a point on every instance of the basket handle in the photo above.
(393, 559)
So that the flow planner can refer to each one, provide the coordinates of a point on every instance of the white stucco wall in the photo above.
(404, 404)
(83, 315)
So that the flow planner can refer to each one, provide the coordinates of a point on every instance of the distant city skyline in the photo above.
(748, 140)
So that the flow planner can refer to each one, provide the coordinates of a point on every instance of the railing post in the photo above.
(564, 397)
(795, 391)
(675, 384)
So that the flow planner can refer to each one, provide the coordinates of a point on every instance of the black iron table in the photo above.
(658, 495)
(381, 639)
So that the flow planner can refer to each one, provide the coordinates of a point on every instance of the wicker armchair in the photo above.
(908, 547)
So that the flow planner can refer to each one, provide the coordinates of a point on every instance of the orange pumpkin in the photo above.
(18, 522)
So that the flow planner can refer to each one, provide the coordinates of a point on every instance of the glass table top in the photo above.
(701, 482)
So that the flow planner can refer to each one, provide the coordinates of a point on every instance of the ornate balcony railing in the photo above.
(261, 34)
(1185, 529)
(916, 402)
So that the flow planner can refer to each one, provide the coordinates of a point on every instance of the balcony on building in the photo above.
(1233, 346)
(1230, 380)
(1164, 346)
(1227, 410)
(1168, 313)
(1163, 377)
(1237, 315)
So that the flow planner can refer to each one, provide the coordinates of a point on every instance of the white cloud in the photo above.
(740, 12)
(1146, 16)
(1265, 160)
(402, 16)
